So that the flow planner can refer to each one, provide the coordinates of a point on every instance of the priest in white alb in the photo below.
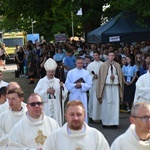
(76, 134)
(53, 92)
(137, 136)
(32, 131)
(12, 115)
(78, 82)
(142, 92)
(5, 106)
(94, 106)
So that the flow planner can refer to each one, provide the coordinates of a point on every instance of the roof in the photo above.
(122, 28)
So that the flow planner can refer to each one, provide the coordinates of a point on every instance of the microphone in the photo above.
(93, 72)
(95, 75)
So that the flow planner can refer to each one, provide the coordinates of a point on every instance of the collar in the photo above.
(70, 131)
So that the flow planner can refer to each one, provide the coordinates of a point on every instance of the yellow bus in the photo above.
(11, 39)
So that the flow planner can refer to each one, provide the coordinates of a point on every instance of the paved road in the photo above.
(110, 134)
(9, 67)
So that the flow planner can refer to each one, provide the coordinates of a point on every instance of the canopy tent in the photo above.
(121, 28)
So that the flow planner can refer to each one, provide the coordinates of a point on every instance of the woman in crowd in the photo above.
(145, 63)
(31, 63)
(130, 76)
(138, 62)
(132, 50)
(3, 54)
(15, 54)
(127, 52)
(123, 61)
(20, 59)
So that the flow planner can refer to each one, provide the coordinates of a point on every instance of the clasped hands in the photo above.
(78, 85)
(51, 90)
(112, 77)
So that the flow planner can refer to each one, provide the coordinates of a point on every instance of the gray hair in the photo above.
(137, 106)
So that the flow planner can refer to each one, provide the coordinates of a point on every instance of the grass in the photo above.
(23, 82)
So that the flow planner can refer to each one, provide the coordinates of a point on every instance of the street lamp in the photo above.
(72, 21)
(72, 24)
(32, 22)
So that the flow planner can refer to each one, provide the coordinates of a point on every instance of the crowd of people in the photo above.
(94, 80)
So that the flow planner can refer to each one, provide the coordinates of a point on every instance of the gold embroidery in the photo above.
(40, 139)
(78, 148)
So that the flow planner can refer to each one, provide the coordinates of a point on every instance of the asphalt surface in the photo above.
(9, 67)
(112, 133)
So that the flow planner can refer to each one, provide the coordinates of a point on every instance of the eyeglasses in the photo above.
(143, 118)
(33, 104)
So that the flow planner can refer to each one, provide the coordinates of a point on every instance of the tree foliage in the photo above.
(19, 14)
(140, 7)
(51, 16)
(54, 16)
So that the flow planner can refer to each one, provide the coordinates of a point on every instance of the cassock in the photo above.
(85, 139)
(94, 106)
(31, 133)
(130, 141)
(80, 93)
(110, 92)
(7, 120)
(52, 107)
(142, 93)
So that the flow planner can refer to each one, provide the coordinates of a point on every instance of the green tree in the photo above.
(18, 14)
(54, 16)
(140, 7)
(51, 16)
(92, 13)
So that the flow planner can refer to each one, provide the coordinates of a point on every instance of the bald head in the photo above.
(12, 85)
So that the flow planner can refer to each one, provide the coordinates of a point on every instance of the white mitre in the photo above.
(50, 64)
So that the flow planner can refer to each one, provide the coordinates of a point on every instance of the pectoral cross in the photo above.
(78, 148)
